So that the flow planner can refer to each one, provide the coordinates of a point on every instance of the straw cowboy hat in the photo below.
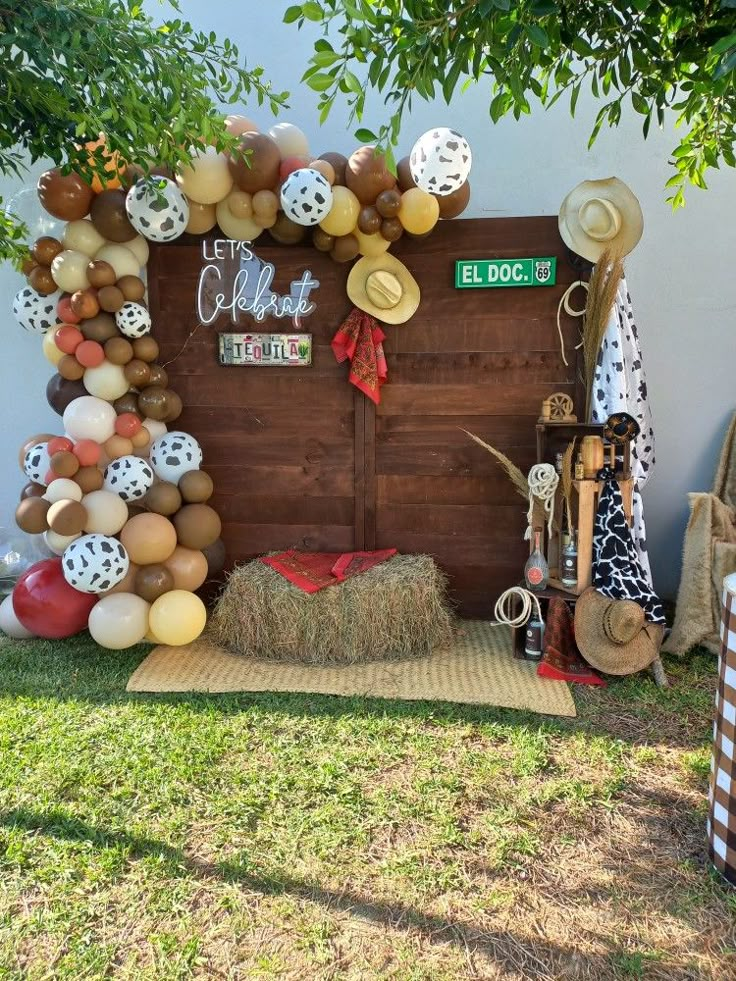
(613, 635)
(384, 287)
(600, 215)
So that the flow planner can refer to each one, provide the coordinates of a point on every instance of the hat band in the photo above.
(609, 628)
(600, 219)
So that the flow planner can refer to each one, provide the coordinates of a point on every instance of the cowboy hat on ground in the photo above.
(384, 287)
(613, 635)
(600, 215)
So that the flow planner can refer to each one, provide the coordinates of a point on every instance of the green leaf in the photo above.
(366, 135)
(537, 35)
(325, 58)
(292, 14)
(312, 11)
(320, 82)
(640, 104)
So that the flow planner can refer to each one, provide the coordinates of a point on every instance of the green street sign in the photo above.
(473, 274)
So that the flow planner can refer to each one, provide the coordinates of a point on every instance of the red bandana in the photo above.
(360, 340)
(312, 571)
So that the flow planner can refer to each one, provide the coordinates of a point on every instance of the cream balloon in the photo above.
(155, 428)
(177, 617)
(9, 622)
(48, 344)
(290, 140)
(207, 179)
(238, 229)
(343, 213)
(371, 245)
(139, 247)
(202, 217)
(82, 236)
(58, 543)
(106, 512)
(107, 381)
(63, 489)
(121, 258)
(237, 125)
(69, 270)
(89, 418)
(119, 620)
(419, 211)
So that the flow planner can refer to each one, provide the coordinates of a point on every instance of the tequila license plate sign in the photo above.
(484, 273)
(279, 350)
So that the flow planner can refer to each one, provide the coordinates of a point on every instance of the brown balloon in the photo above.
(67, 518)
(346, 248)
(388, 203)
(196, 487)
(137, 372)
(403, 174)
(338, 163)
(158, 376)
(152, 581)
(127, 403)
(153, 402)
(216, 556)
(32, 490)
(28, 265)
(118, 350)
(89, 479)
(42, 281)
(132, 287)
(110, 299)
(197, 526)
(322, 241)
(100, 328)
(369, 220)
(64, 464)
(255, 165)
(134, 173)
(109, 216)
(69, 368)
(145, 348)
(84, 304)
(391, 229)
(163, 498)
(30, 515)
(61, 391)
(285, 231)
(188, 567)
(45, 249)
(452, 205)
(100, 273)
(367, 174)
(176, 406)
(65, 196)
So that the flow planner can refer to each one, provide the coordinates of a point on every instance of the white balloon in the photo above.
(82, 236)
(157, 209)
(106, 512)
(122, 259)
(175, 454)
(95, 563)
(106, 381)
(34, 312)
(9, 622)
(290, 140)
(440, 161)
(139, 247)
(130, 477)
(306, 196)
(119, 621)
(156, 429)
(89, 418)
(58, 543)
(63, 489)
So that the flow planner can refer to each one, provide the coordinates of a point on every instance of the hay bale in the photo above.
(395, 610)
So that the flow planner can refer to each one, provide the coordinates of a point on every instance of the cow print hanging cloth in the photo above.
(617, 572)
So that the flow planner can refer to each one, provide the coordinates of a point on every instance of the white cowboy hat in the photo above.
(600, 215)
(384, 287)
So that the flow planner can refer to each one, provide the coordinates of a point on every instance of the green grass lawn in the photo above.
(296, 836)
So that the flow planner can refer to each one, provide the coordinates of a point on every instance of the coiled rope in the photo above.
(565, 302)
(543, 482)
(502, 611)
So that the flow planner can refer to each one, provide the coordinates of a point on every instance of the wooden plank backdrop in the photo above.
(301, 459)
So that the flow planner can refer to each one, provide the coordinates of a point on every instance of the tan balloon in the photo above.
(290, 140)
(207, 179)
(148, 538)
(202, 217)
(343, 213)
(127, 584)
(69, 270)
(419, 211)
(325, 168)
(106, 381)
(139, 247)
(371, 244)
(237, 125)
(106, 512)
(240, 204)
(265, 204)
(82, 236)
(188, 567)
(120, 257)
(239, 229)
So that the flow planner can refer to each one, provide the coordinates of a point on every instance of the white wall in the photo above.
(681, 277)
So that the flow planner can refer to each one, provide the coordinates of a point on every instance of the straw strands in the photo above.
(602, 289)
(515, 475)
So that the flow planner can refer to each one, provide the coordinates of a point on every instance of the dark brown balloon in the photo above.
(197, 525)
(84, 304)
(322, 241)
(118, 350)
(367, 174)
(137, 372)
(346, 248)
(61, 391)
(338, 163)
(369, 220)
(391, 229)
(109, 217)
(111, 299)
(89, 479)
(100, 273)
(66, 197)
(158, 376)
(134, 509)
(67, 518)
(152, 581)
(163, 498)
(42, 281)
(452, 205)
(127, 403)
(30, 515)
(388, 203)
(32, 490)
(256, 166)
(286, 231)
(145, 348)
(216, 556)
(28, 265)
(69, 368)
(176, 406)
(132, 287)
(64, 464)
(153, 402)
(45, 249)
(99, 328)
(403, 174)
(196, 487)
(134, 173)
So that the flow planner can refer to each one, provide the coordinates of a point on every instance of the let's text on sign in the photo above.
(276, 350)
(485, 273)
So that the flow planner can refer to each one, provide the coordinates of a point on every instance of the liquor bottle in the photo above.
(579, 468)
(536, 570)
(534, 638)
(569, 564)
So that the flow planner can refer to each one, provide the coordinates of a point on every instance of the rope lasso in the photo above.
(528, 601)
(564, 302)
(543, 482)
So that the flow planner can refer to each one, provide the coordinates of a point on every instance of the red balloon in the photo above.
(87, 452)
(59, 444)
(47, 605)
(89, 354)
(290, 164)
(68, 339)
(128, 424)
(64, 311)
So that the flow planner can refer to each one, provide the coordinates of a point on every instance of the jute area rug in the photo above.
(478, 668)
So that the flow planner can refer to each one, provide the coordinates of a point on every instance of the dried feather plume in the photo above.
(602, 289)
(566, 479)
(515, 475)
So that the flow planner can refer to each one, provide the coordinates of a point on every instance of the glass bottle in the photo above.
(579, 468)
(569, 563)
(534, 638)
(536, 570)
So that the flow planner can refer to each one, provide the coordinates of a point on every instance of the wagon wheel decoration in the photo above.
(560, 406)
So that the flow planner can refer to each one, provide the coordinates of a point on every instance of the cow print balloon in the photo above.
(306, 197)
(34, 312)
(440, 161)
(36, 463)
(173, 454)
(133, 320)
(129, 477)
(95, 563)
(157, 209)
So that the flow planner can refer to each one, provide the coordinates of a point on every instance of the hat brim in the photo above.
(600, 652)
(410, 293)
(615, 191)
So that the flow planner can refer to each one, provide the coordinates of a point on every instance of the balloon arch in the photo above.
(120, 498)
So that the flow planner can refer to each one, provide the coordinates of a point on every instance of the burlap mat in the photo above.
(478, 668)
